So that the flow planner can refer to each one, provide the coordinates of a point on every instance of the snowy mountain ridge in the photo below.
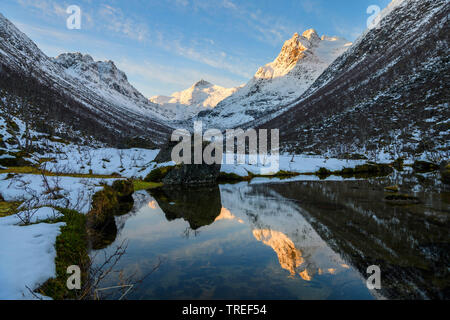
(188, 103)
(110, 82)
(301, 61)
(74, 89)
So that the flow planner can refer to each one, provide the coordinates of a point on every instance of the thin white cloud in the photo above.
(170, 76)
(229, 4)
(212, 57)
(310, 6)
(45, 6)
(263, 26)
(115, 20)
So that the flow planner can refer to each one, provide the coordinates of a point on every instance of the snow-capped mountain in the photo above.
(113, 82)
(73, 89)
(387, 93)
(301, 61)
(188, 103)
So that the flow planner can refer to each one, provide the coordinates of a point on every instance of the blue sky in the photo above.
(167, 45)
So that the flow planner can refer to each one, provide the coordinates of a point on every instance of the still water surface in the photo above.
(290, 240)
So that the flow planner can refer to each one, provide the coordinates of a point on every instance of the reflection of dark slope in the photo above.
(412, 248)
(199, 206)
(103, 237)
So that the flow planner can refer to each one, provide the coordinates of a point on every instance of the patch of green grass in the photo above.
(324, 172)
(283, 173)
(8, 208)
(394, 189)
(34, 170)
(20, 170)
(158, 174)
(232, 177)
(142, 185)
(280, 174)
(58, 140)
(71, 249)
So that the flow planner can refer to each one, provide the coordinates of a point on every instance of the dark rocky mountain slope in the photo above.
(49, 93)
(389, 92)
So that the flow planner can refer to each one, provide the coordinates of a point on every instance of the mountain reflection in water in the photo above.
(299, 240)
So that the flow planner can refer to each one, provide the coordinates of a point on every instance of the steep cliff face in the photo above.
(301, 61)
(98, 73)
(387, 93)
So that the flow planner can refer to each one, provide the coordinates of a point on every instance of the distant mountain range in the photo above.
(201, 96)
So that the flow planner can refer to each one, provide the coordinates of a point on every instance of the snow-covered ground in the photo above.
(104, 161)
(27, 255)
(289, 163)
(73, 193)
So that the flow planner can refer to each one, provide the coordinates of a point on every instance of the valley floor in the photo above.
(67, 176)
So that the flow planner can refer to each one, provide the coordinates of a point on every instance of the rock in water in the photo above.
(199, 206)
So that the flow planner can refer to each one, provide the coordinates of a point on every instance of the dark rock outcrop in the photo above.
(184, 174)
(165, 154)
(112, 201)
(187, 174)
(445, 172)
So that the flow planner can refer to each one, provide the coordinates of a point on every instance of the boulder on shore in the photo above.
(186, 174)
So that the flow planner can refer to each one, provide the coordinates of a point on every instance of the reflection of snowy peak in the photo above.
(188, 103)
(301, 61)
(280, 225)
